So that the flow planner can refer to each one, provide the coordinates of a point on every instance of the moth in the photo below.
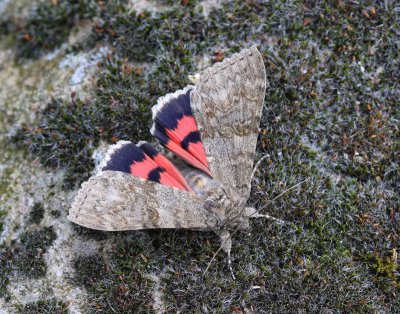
(213, 128)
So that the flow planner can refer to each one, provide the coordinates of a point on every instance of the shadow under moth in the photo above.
(213, 128)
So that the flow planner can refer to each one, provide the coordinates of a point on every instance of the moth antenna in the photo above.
(251, 212)
(256, 167)
(212, 260)
(279, 196)
(226, 239)
(230, 265)
(226, 245)
(256, 213)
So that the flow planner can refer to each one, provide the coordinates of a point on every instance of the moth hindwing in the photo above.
(213, 128)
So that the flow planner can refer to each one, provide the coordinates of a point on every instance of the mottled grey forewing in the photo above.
(227, 103)
(116, 201)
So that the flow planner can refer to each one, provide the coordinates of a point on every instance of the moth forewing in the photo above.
(227, 104)
(117, 201)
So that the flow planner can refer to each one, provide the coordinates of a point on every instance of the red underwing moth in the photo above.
(213, 127)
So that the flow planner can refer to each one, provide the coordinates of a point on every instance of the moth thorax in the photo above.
(201, 184)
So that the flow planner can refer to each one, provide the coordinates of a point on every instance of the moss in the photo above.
(6, 198)
(386, 269)
(37, 213)
(141, 37)
(4, 26)
(4, 180)
(49, 25)
(48, 306)
(6, 186)
(25, 257)
(2, 215)
(62, 138)
(118, 278)
(55, 213)
(87, 233)
(178, 3)
(32, 246)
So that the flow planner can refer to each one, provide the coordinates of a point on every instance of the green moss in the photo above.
(37, 213)
(386, 269)
(5, 180)
(3, 26)
(24, 258)
(142, 37)
(62, 138)
(6, 187)
(44, 307)
(55, 213)
(87, 233)
(2, 215)
(178, 3)
(29, 253)
(49, 25)
(118, 279)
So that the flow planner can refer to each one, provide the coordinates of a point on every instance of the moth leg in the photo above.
(251, 212)
(226, 244)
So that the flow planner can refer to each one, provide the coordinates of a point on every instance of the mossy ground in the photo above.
(45, 307)
(331, 116)
(24, 258)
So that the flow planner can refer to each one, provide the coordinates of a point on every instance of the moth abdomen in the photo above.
(199, 182)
